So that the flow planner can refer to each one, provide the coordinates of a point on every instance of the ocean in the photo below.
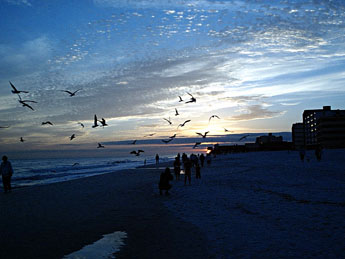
(29, 172)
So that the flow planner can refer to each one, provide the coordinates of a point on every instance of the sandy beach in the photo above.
(247, 205)
(54, 220)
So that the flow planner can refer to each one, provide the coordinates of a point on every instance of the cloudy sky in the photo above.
(254, 63)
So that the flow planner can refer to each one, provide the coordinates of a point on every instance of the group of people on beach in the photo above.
(186, 165)
(318, 153)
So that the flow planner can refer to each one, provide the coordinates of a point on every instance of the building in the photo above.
(268, 139)
(298, 135)
(324, 127)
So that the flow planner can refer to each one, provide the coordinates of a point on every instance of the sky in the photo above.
(255, 64)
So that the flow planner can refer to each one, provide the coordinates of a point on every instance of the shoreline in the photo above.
(53, 220)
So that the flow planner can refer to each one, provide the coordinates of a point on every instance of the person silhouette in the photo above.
(157, 159)
(165, 177)
(6, 172)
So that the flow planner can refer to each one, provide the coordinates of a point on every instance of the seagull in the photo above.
(173, 136)
(182, 124)
(47, 122)
(167, 141)
(25, 101)
(103, 122)
(72, 137)
(168, 120)
(213, 116)
(100, 145)
(4, 127)
(243, 137)
(75, 164)
(180, 99)
(133, 143)
(27, 105)
(81, 124)
(21, 139)
(71, 93)
(192, 99)
(226, 130)
(176, 112)
(15, 91)
(137, 153)
(149, 135)
(202, 135)
(95, 124)
(196, 144)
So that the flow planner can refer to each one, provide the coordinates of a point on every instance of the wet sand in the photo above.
(54, 220)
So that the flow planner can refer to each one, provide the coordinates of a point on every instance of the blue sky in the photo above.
(255, 64)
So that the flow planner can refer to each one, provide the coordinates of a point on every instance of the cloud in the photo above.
(19, 2)
(255, 112)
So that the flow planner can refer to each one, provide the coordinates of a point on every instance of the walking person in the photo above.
(197, 171)
(202, 160)
(177, 168)
(164, 184)
(157, 159)
(6, 172)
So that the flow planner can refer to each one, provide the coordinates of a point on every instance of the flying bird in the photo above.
(75, 164)
(243, 137)
(103, 122)
(149, 135)
(4, 127)
(25, 101)
(72, 137)
(15, 91)
(173, 136)
(95, 124)
(27, 105)
(213, 116)
(226, 130)
(47, 122)
(176, 112)
(81, 124)
(192, 99)
(167, 141)
(21, 139)
(202, 135)
(181, 100)
(71, 93)
(182, 124)
(137, 153)
(196, 144)
(169, 121)
(133, 143)
(100, 145)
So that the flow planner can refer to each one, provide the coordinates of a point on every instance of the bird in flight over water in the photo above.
(95, 124)
(137, 153)
(47, 122)
(168, 120)
(167, 141)
(176, 112)
(72, 137)
(192, 99)
(182, 124)
(100, 145)
(173, 136)
(133, 143)
(15, 91)
(21, 139)
(226, 130)
(196, 144)
(25, 101)
(243, 137)
(71, 93)
(27, 105)
(213, 116)
(149, 135)
(202, 135)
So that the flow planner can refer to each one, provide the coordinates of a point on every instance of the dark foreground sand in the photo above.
(55, 220)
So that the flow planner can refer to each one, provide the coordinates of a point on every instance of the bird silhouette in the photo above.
(243, 137)
(21, 139)
(100, 145)
(213, 116)
(75, 164)
(103, 122)
(192, 99)
(95, 124)
(196, 144)
(15, 91)
(176, 112)
(24, 101)
(182, 124)
(173, 136)
(202, 135)
(47, 122)
(72, 137)
(168, 120)
(181, 100)
(133, 143)
(137, 153)
(4, 127)
(71, 93)
(167, 141)
(27, 105)
(149, 135)
(81, 124)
